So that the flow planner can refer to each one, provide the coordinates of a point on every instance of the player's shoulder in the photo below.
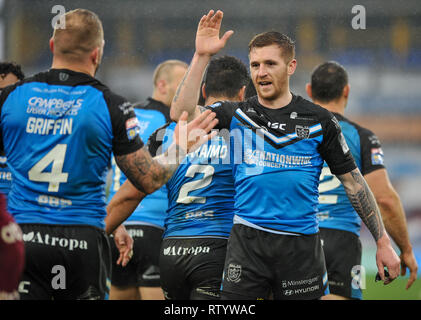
(152, 106)
(160, 136)
(310, 108)
(170, 125)
(362, 131)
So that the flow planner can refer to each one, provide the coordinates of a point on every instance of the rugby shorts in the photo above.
(263, 265)
(191, 268)
(142, 270)
(343, 262)
(65, 262)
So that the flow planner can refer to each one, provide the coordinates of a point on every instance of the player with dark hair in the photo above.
(10, 73)
(201, 199)
(58, 129)
(339, 223)
(140, 279)
(279, 141)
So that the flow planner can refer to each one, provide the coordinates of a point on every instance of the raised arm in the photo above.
(394, 219)
(365, 205)
(208, 43)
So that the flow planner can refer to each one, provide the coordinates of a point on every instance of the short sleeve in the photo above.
(372, 157)
(160, 139)
(334, 148)
(224, 112)
(125, 125)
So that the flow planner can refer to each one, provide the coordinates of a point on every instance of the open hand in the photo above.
(207, 36)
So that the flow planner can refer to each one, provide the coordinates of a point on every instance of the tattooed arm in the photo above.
(148, 174)
(208, 43)
(363, 202)
(365, 205)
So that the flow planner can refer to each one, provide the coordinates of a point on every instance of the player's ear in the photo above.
(345, 91)
(161, 85)
(308, 90)
(52, 45)
(242, 94)
(204, 92)
(95, 56)
(292, 65)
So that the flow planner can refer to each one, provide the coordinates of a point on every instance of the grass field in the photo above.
(393, 291)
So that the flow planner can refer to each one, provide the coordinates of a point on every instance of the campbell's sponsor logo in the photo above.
(42, 106)
(46, 239)
(185, 251)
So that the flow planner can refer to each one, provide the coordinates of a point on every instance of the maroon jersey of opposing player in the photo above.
(11, 254)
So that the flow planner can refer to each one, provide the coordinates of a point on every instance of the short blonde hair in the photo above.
(83, 32)
(164, 70)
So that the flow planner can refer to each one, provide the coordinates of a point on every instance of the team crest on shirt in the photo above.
(132, 128)
(303, 132)
(377, 156)
(234, 272)
(63, 76)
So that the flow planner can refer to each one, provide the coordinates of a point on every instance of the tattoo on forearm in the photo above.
(177, 93)
(364, 203)
(148, 174)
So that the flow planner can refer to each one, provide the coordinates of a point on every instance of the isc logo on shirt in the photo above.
(276, 125)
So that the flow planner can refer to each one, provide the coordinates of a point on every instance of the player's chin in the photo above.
(268, 94)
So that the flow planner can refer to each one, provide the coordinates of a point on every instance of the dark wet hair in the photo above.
(11, 67)
(328, 81)
(225, 76)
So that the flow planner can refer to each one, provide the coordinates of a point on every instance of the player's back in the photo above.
(335, 209)
(58, 136)
(200, 192)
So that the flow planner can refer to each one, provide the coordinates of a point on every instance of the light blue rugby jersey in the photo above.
(277, 158)
(152, 209)
(58, 131)
(200, 192)
(335, 210)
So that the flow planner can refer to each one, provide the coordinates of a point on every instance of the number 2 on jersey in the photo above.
(194, 169)
(56, 175)
(325, 186)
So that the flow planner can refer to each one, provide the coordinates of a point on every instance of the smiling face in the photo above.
(270, 72)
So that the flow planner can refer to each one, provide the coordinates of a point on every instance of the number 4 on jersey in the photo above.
(56, 176)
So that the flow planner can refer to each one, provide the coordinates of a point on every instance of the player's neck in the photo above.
(277, 103)
(161, 98)
(333, 106)
(211, 100)
(77, 67)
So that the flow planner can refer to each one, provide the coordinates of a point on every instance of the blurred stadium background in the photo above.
(383, 61)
